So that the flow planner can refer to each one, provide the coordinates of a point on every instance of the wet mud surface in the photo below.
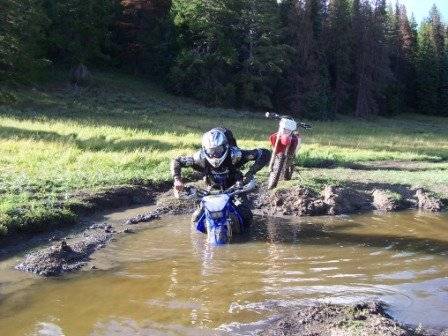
(343, 320)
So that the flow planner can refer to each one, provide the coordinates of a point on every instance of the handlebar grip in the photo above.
(272, 115)
(305, 126)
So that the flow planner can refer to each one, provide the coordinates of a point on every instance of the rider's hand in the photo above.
(178, 185)
(248, 177)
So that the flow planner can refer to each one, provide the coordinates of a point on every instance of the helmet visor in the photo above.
(216, 152)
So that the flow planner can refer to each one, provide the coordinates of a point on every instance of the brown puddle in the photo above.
(165, 281)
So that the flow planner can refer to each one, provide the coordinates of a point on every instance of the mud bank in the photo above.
(345, 200)
(343, 320)
(69, 253)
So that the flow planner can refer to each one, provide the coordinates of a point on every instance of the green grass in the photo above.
(55, 141)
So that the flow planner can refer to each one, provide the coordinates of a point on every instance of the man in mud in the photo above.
(221, 161)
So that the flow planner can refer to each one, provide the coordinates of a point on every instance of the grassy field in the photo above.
(55, 140)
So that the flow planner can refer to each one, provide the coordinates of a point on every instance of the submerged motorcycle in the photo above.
(285, 144)
(220, 219)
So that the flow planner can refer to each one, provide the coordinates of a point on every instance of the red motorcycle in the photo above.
(285, 144)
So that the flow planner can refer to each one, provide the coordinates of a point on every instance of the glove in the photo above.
(239, 184)
(248, 177)
(178, 185)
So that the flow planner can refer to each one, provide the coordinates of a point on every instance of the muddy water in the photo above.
(166, 281)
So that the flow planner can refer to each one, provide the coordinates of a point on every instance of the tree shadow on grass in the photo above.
(98, 143)
(436, 152)
(379, 166)
(406, 190)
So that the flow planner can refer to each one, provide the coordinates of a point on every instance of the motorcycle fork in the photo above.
(290, 163)
(274, 152)
(289, 156)
(287, 153)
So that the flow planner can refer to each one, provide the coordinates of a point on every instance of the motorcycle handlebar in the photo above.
(271, 115)
(232, 191)
(305, 126)
(278, 116)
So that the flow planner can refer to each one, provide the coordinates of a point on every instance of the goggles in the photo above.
(216, 152)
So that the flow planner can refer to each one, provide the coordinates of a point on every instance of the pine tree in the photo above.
(144, 37)
(444, 85)
(432, 66)
(308, 77)
(229, 51)
(408, 43)
(371, 71)
(204, 65)
(395, 87)
(337, 51)
(402, 47)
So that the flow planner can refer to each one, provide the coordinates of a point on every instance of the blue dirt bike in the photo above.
(220, 218)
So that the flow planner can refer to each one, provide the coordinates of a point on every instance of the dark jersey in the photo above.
(229, 172)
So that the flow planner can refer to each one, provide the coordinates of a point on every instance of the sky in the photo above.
(421, 8)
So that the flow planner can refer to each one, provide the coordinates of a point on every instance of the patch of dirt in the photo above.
(300, 201)
(346, 200)
(428, 202)
(385, 201)
(62, 258)
(340, 320)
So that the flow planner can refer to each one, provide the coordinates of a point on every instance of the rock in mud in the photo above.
(62, 258)
(128, 231)
(384, 201)
(427, 202)
(345, 200)
(340, 320)
(143, 218)
(97, 226)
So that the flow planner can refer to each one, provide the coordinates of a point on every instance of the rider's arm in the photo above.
(195, 162)
(261, 157)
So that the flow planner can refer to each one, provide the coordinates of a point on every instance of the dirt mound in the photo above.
(306, 202)
(299, 201)
(428, 202)
(338, 320)
(63, 258)
(386, 201)
(296, 201)
(342, 200)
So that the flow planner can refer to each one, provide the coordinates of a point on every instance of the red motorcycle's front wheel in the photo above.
(289, 168)
(277, 169)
